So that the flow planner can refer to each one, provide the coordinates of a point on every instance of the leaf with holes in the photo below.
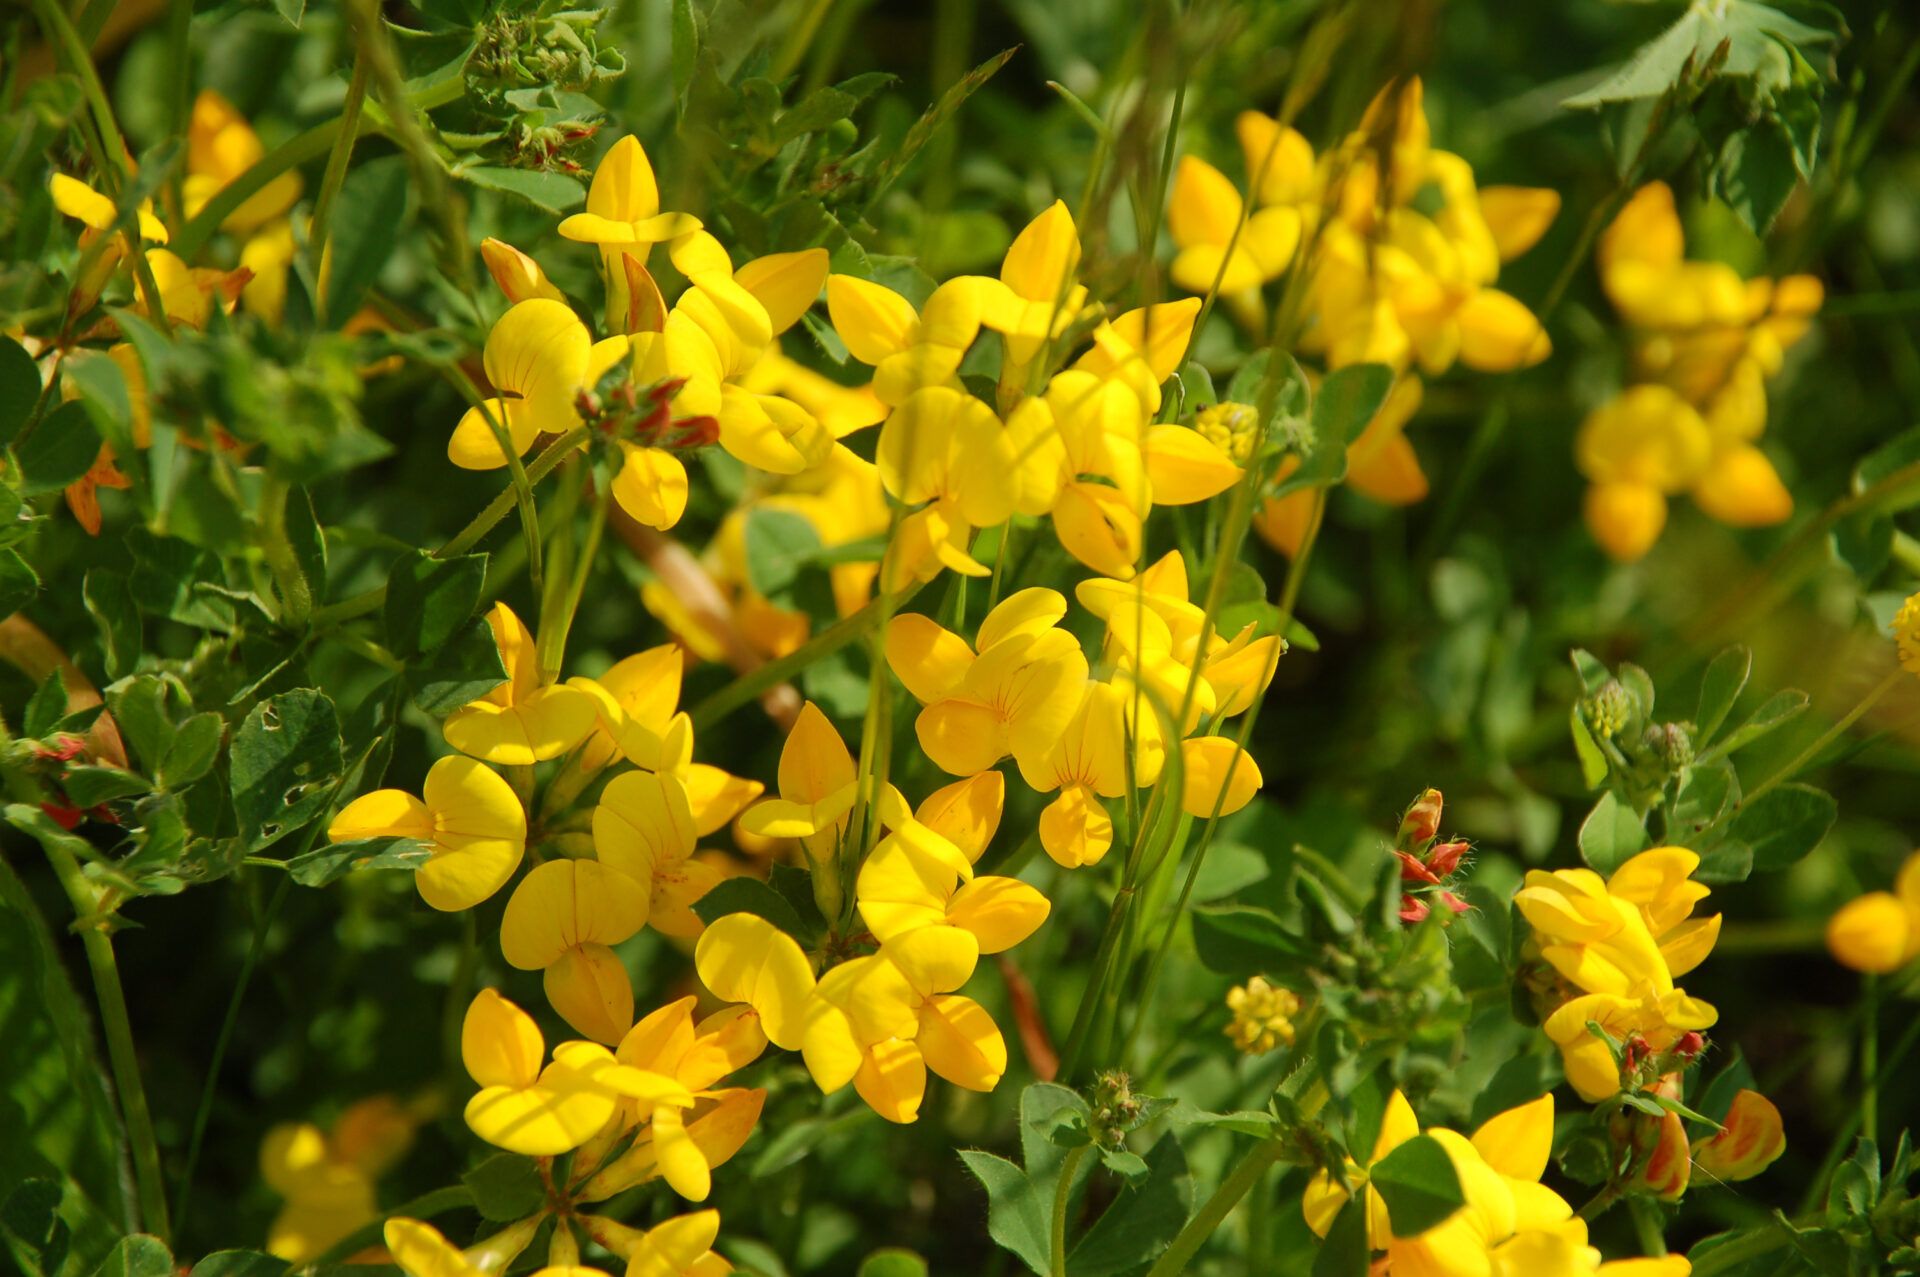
(286, 761)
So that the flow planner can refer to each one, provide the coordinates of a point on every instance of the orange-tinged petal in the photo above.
(517, 275)
(999, 912)
(1625, 517)
(893, 1080)
(1750, 1141)
(1742, 488)
(967, 812)
(591, 990)
(1217, 772)
(959, 1041)
(1871, 933)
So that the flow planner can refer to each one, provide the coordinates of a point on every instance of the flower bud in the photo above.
(1445, 858)
(1671, 744)
(1667, 1167)
(1747, 1144)
(1610, 710)
(518, 275)
(1421, 824)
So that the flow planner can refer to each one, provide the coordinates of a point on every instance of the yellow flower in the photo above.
(539, 357)
(623, 218)
(946, 452)
(1088, 762)
(420, 1250)
(818, 785)
(1014, 697)
(1039, 296)
(467, 815)
(882, 1021)
(1657, 1019)
(221, 146)
(902, 886)
(1499, 1172)
(1614, 935)
(544, 1112)
(636, 701)
(683, 1146)
(520, 721)
(1636, 449)
(643, 827)
(560, 921)
(1262, 1016)
(744, 958)
(1748, 1142)
(1203, 215)
(1880, 931)
(328, 1180)
(907, 350)
(679, 1247)
(1906, 634)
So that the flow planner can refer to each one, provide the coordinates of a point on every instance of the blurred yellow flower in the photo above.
(1262, 1016)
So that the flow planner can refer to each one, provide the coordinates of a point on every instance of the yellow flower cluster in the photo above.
(1396, 250)
(1262, 1015)
(1705, 343)
(328, 1177)
(1617, 943)
(678, 1247)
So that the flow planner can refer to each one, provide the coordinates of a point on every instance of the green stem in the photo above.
(820, 646)
(1096, 986)
(522, 485)
(296, 596)
(1826, 738)
(205, 1111)
(1817, 1186)
(1210, 1216)
(469, 536)
(1647, 1226)
(72, 50)
(311, 145)
(118, 1030)
(577, 587)
(1062, 1193)
(335, 175)
(1870, 1058)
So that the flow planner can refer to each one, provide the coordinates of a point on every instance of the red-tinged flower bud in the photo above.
(1412, 909)
(1748, 1143)
(1667, 1168)
(1421, 824)
(1454, 902)
(1668, 1087)
(1445, 857)
(1412, 870)
(1689, 1045)
(63, 747)
(1635, 1051)
(695, 432)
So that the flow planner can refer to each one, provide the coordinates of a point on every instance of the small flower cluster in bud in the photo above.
(50, 757)
(619, 409)
(1231, 427)
(1262, 1015)
(1609, 711)
(544, 146)
(1671, 743)
(1425, 862)
(1115, 1109)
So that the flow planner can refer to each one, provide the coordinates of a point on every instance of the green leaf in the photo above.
(1864, 542)
(1701, 800)
(240, 1263)
(1785, 823)
(109, 599)
(1345, 1253)
(60, 450)
(45, 708)
(1611, 834)
(1889, 458)
(103, 392)
(1757, 172)
(778, 544)
(309, 541)
(430, 600)
(140, 1255)
(18, 582)
(286, 763)
(327, 864)
(369, 220)
(292, 11)
(196, 743)
(1243, 940)
(19, 388)
(1143, 1220)
(1719, 688)
(689, 32)
(30, 1222)
(463, 670)
(892, 1262)
(139, 706)
(1017, 1215)
(1593, 675)
(750, 895)
(935, 116)
(1778, 710)
(1593, 763)
(553, 192)
(1419, 1185)
(1346, 401)
(91, 786)
(1654, 68)
(506, 1187)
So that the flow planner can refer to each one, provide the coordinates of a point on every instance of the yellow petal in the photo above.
(960, 1042)
(591, 990)
(1646, 230)
(651, 486)
(681, 1163)
(1075, 829)
(643, 825)
(517, 275)
(499, 1043)
(899, 890)
(745, 958)
(565, 903)
(967, 812)
(537, 1121)
(672, 1248)
(961, 737)
(714, 796)
(785, 283)
(1023, 613)
(78, 200)
(421, 1251)
(480, 834)
(1498, 333)
(1185, 466)
(1043, 256)
(624, 186)
(925, 656)
(814, 763)
(934, 959)
(1742, 488)
(1204, 207)
(873, 320)
(1097, 526)
(1209, 781)
(1279, 160)
(893, 1080)
(1625, 517)
(999, 912)
(1871, 933)
(1518, 216)
(384, 813)
(728, 1040)
(1518, 1142)
(833, 1055)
